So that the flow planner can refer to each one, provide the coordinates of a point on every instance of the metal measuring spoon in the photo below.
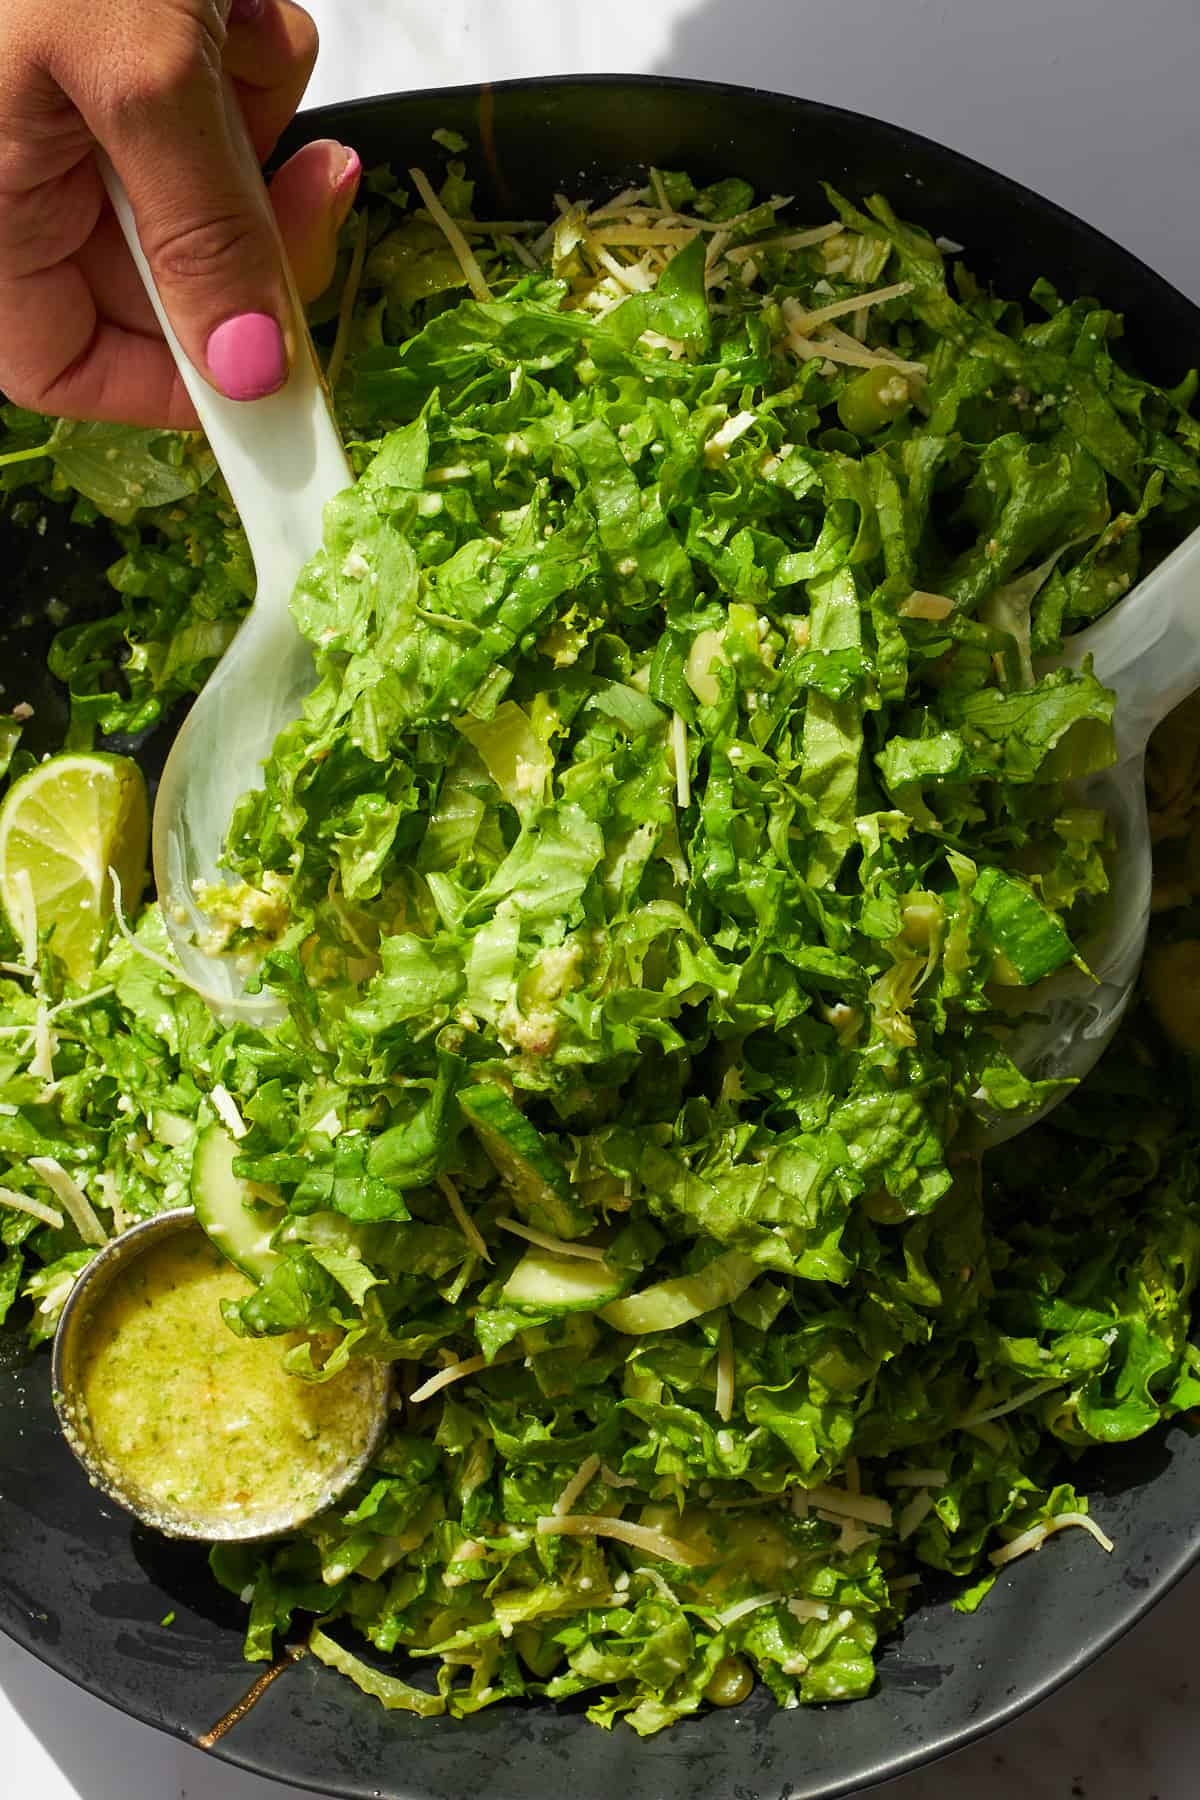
(363, 1396)
(1147, 649)
(282, 459)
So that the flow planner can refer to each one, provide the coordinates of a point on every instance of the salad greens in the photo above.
(677, 820)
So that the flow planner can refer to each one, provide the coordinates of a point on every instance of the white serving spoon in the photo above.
(1148, 650)
(282, 459)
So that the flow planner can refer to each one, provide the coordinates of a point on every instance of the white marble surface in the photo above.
(1089, 101)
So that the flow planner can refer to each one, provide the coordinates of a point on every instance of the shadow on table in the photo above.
(102, 1755)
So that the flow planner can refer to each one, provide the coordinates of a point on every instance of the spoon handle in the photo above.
(1148, 647)
(281, 456)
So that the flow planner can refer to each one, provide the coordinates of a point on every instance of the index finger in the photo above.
(270, 60)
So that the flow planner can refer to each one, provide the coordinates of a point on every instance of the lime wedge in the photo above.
(62, 827)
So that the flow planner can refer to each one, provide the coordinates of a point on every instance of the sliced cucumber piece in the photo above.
(545, 1283)
(671, 1303)
(232, 1211)
(525, 1164)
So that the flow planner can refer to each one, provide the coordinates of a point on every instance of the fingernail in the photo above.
(346, 186)
(247, 357)
(244, 12)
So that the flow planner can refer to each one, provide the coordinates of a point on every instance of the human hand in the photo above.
(149, 82)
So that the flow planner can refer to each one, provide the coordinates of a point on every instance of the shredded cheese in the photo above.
(639, 1537)
(679, 755)
(521, 253)
(852, 1535)
(458, 1371)
(917, 1478)
(613, 1480)
(454, 237)
(732, 1614)
(719, 444)
(1035, 1537)
(496, 227)
(226, 1109)
(777, 203)
(1024, 1398)
(45, 1043)
(804, 322)
(463, 1219)
(918, 1508)
(575, 1486)
(624, 202)
(849, 1506)
(544, 1241)
(791, 240)
(921, 605)
(804, 1610)
(345, 324)
(725, 1370)
(35, 1208)
(27, 923)
(884, 358)
(75, 1201)
(106, 1182)
(631, 276)
(853, 1476)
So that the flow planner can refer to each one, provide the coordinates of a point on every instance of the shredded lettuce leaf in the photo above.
(678, 806)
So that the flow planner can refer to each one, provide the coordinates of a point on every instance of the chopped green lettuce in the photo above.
(678, 817)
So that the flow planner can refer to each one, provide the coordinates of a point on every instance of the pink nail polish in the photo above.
(245, 12)
(346, 186)
(247, 357)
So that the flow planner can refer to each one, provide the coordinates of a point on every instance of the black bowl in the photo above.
(87, 1592)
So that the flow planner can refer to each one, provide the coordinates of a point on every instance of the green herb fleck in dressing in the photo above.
(197, 1420)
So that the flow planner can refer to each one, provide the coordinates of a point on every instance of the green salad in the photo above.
(679, 822)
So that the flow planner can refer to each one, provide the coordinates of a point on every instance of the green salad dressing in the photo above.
(196, 1419)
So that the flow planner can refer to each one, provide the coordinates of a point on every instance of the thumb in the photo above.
(205, 222)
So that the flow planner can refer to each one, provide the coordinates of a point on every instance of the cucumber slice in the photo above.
(671, 1303)
(545, 1283)
(533, 1175)
(232, 1211)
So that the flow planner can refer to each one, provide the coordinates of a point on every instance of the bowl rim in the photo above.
(1186, 1553)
